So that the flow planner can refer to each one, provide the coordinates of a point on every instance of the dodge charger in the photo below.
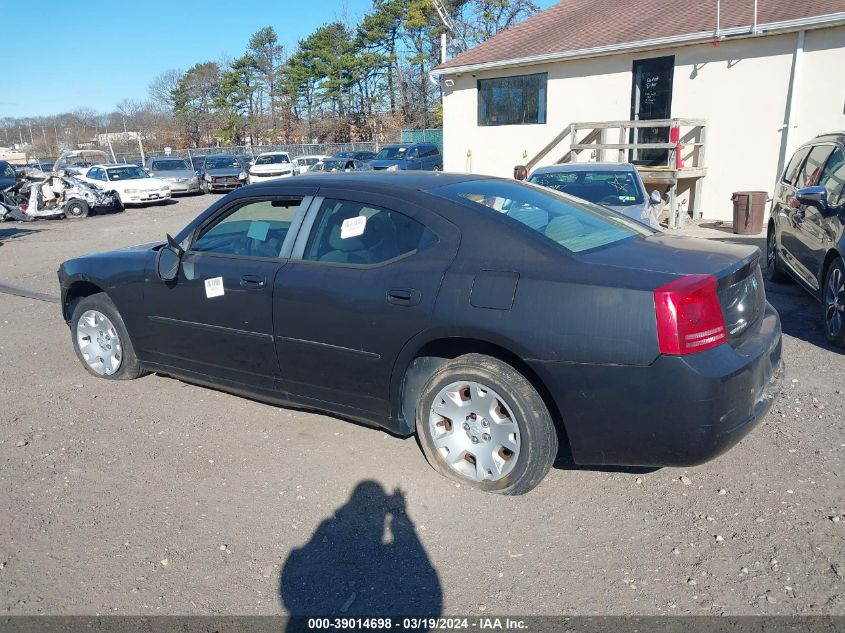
(489, 317)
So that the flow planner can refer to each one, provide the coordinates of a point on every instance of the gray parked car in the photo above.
(617, 186)
(177, 172)
(222, 172)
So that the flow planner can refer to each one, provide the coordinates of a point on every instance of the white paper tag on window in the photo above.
(353, 227)
(214, 287)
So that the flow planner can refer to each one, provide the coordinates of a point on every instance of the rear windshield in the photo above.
(391, 153)
(576, 225)
(613, 188)
(272, 159)
(171, 164)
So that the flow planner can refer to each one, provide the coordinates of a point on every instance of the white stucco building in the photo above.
(764, 81)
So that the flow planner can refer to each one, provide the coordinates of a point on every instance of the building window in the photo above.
(512, 100)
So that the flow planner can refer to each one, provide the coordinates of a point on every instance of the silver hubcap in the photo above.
(834, 300)
(99, 343)
(474, 431)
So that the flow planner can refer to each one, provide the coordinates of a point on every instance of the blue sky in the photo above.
(106, 52)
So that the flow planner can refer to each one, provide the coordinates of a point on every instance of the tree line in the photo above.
(343, 82)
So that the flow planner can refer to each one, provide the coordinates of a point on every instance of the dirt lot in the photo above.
(158, 497)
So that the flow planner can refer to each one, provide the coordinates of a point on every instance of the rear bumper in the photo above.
(678, 411)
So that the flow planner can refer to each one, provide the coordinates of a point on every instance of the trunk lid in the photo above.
(736, 267)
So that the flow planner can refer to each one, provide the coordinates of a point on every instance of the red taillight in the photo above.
(689, 317)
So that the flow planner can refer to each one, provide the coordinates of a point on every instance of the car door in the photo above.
(362, 281)
(784, 206)
(412, 158)
(807, 220)
(820, 227)
(216, 317)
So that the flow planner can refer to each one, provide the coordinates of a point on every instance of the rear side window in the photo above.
(355, 233)
(810, 173)
(791, 171)
(576, 225)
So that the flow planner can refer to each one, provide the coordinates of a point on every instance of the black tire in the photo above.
(833, 303)
(774, 267)
(117, 202)
(129, 367)
(537, 439)
(436, 168)
(76, 208)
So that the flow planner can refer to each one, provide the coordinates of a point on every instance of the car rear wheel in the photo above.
(480, 422)
(76, 208)
(834, 303)
(101, 341)
(774, 269)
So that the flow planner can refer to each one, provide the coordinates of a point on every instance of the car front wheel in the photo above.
(480, 422)
(101, 341)
(834, 303)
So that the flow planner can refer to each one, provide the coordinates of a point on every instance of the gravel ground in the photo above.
(158, 497)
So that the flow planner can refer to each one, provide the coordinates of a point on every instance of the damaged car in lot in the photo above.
(129, 183)
(40, 195)
(377, 297)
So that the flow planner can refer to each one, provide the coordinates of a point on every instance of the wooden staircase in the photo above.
(682, 167)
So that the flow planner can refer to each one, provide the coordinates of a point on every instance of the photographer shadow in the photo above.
(365, 561)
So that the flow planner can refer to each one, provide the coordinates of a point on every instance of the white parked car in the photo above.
(132, 184)
(302, 164)
(270, 165)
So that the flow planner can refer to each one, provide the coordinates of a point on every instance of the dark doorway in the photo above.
(651, 98)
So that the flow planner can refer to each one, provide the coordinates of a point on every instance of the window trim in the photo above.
(234, 205)
(783, 179)
(807, 158)
(544, 103)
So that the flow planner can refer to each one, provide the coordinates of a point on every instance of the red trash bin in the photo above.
(749, 210)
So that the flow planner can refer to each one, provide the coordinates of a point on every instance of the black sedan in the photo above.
(806, 237)
(487, 316)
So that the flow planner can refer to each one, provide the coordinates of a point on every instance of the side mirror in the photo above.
(655, 197)
(814, 197)
(169, 257)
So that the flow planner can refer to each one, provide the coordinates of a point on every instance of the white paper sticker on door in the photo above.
(214, 287)
(353, 227)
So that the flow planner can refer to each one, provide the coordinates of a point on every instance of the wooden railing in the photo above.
(690, 143)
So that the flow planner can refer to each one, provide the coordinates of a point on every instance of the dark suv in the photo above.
(805, 237)
(406, 156)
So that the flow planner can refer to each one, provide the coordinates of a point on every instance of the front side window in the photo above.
(512, 100)
(131, 172)
(253, 229)
(576, 225)
(612, 188)
(809, 175)
(355, 233)
(833, 178)
(791, 171)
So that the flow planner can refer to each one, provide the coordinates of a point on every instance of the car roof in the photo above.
(274, 153)
(570, 167)
(827, 136)
(111, 165)
(374, 181)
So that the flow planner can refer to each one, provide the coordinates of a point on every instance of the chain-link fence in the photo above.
(298, 149)
(430, 135)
